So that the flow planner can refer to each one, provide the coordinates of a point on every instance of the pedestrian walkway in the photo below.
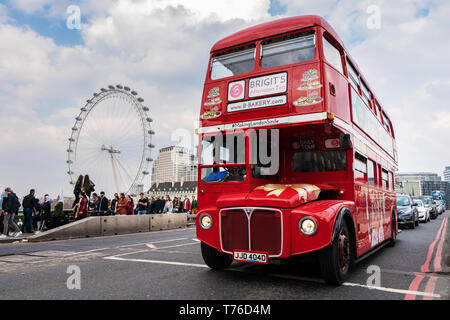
(23, 236)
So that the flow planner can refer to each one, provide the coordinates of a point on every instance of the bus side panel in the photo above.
(337, 102)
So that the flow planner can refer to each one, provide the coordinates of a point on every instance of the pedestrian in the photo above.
(150, 205)
(93, 205)
(46, 213)
(142, 204)
(82, 211)
(2, 211)
(29, 205)
(175, 204)
(77, 190)
(114, 204)
(159, 205)
(168, 206)
(194, 205)
(186, 205)
(36, 214)
(130, 205)
(88, 186)
(58, 212)
(122, 205)
(11, 207)
(102, 205)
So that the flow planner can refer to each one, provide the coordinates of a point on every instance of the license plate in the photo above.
(253, 257)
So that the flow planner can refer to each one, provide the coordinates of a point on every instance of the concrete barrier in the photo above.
(168, 221)
(113, 225)
(89, 227)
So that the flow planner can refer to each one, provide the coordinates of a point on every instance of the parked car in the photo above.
(424, 212)
(429, 203)
(440, 206)
(408, 215)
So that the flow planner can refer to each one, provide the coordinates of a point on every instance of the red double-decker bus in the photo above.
(296, 153)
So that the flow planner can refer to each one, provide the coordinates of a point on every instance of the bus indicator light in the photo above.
(332, 143)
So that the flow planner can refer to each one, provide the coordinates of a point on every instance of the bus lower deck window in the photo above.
(320, 161)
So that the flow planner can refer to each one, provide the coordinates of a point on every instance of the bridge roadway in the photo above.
(168, 265)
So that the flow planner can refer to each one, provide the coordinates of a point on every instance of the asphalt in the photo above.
(168, 265)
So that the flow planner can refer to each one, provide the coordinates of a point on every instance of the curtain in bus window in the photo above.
(227, 65)
(280, 52)
(320, 161)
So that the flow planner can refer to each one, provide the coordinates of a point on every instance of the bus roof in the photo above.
(274, 28)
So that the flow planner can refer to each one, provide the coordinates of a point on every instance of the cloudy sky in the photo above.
(160, 48)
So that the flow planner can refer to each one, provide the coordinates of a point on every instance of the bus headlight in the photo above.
(206, 221)
(307, 226)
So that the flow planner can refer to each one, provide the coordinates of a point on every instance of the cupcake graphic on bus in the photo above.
(213, 103)
(310, 84)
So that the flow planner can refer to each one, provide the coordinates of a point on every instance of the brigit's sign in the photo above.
(271, 84)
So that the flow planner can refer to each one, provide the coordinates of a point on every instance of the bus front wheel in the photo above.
(336, 259)
(214, 259)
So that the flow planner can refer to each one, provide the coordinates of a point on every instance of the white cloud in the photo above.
(160, 49)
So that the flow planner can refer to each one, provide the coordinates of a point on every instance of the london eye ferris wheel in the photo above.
(111, 141)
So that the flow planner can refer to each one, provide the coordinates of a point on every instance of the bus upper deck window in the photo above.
(366, 94)
(353, 74)
(288, 50)
(233, 62)
(333, 55)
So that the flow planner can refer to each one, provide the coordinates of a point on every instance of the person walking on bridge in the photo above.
(11, 207)
(29, 206)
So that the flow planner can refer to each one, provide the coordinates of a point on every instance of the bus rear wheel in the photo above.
(214, 259)
(393, 231)
(336, 259)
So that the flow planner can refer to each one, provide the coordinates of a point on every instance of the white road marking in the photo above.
(151, 246)
(178, 245)
(159, 262)
(417, 293)
(153, 242)
(348, 284)
(195, 239)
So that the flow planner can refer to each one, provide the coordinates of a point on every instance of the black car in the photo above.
(408, 215)
(429, 203)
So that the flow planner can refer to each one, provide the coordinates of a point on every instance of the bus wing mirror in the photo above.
(345, 141)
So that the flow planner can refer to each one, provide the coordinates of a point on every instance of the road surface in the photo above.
(168, 265)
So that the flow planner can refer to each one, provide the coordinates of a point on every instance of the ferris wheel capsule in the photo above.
(140, 100)
(149, 120)
(119, 87)
(126, 88)
(111, 87)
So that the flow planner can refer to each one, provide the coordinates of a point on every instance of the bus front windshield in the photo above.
(224, 157)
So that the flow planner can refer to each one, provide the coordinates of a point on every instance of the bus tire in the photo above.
(393, 231)
(336, 259)
(214, 259)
